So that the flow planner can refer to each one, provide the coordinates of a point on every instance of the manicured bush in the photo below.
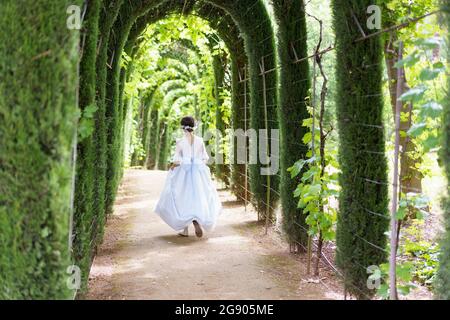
(109, 12)
(85, 218)
(443, 277)
(219, 64)
(360, 234)
(255, 25)
(294, 85)
(228, 31)
(126, 17)
(38, 115)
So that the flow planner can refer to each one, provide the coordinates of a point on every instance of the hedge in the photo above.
(219, 64)
(443, 276)
(85, 222)
(363, 215)
(109, 12)
(294, 85)
(38, 115)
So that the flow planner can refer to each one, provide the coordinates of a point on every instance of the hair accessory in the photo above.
(188, 127)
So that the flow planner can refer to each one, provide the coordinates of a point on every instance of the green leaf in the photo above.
(89, 111)
(310, 174)
(404, 290)
(296, 168)
(404, 271)
(428, 74)
(401, 213)
(417, 129)
(414, 94)
(45, 232)
(409, 61)
(429, 43)
(298, 191)
(431, 109)
(307, 138)
(383, 291)
(431, 142)
(315, 189)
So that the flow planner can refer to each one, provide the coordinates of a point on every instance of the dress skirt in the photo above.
(189, 194)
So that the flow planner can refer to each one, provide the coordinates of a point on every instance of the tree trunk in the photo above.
(410, 176)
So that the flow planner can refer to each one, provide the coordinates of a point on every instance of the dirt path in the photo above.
(142, 258)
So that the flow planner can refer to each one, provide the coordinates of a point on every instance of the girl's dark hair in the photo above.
(188, 123)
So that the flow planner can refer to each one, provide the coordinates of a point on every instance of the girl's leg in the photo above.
(185, 232)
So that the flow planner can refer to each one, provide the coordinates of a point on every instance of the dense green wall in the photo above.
(294, 85)
(85, 218)
(254, 23)
(360, 234)
(443, 278)
(38, 114)
(109, 12)
(113, 104)
(228, 31)
(219, 64)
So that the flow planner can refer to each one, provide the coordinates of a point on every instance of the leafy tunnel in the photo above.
(270, 86)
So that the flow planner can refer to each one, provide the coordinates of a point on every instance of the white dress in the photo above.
(189, 193)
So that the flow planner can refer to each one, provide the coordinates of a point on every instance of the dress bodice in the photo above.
(185, 151)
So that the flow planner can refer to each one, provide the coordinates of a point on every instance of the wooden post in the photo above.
(395, 186)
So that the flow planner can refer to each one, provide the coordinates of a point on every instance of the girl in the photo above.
(189, 195)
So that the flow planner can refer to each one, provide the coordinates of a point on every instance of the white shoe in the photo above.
(184, 233)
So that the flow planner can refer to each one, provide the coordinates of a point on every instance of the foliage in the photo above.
(425, 96)
(294, 85)
(423, 254)
(174, 69)
(317, 189)
(109, 12)
(38, 115)
(418, 264)
(84, 232)
(404, 272)
(362, 219)
(443, 277)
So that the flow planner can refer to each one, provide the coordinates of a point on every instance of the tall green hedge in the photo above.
(85, 223)
(117, 40)
(443, 277)
(38, 115)
(363, 218)
(219, 65)
(238, 120)
(229, 32)
(294, 85)
(109, 12)
(127, 16)
(255, 25)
